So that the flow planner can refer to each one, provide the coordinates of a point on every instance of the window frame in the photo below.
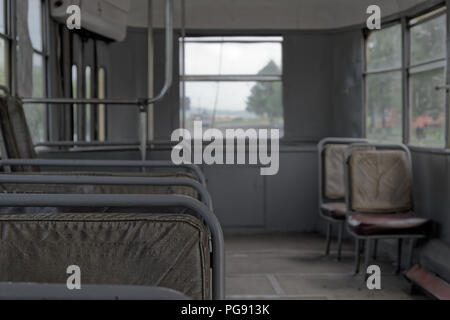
(407, 67)
(183, 78)
(45, 55)
(6, 36)
(367, 73)
(101, 109)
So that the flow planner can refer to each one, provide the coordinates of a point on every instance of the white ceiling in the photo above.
(266, 14)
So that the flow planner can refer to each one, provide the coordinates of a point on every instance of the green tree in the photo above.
(265, 97)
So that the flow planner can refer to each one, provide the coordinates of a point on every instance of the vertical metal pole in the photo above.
(329, 231)
(151, 82)
(447, 78)
(12, 50)
(405, 79)
(410, 252)
(367, 256)
(183, 65)
(399, 255)
(143, 129)
(357, 254)
(375, 249)
(340, 234)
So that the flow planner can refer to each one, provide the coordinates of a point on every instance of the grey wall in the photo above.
(432, 190)
(306, 86)
(347, 86)
(322, 84)
(127, 78)
(166, 112)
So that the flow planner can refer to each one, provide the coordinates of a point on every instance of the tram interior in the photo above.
(249, 149)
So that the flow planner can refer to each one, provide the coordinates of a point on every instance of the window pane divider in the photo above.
(427, 67)
(242, 78)
(414, 65)
(385, 70)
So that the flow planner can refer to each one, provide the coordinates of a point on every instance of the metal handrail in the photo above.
(140, 101)
(109, 180)
(103, 163)
(133, 200)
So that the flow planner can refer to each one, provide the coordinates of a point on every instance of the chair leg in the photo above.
(410, 252)
(399, 255)
(375, 249)
(357, 254)
(341, 231)
(329, 230)
(367, 257)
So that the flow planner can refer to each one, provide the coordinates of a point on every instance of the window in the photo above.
(88, 108)
(37, 114)
(101, 108)
(75, 108)
(4, 79)
(418, 117)
(384, 85)
(232, 82)
(426, 72)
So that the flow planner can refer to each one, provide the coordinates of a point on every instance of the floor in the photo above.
(293, 266)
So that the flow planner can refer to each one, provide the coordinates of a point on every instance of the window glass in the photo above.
(2, 16)
(428, 40)
(36, 113)
(75, 107)
(384, 85)
(384, 106)
(3, 62)
(35, 23)
(232, 58)
(101, 107)
(383, 48)
(88, 108)
(239, 101)
(427, 112)
(38, 76)
(234, 104)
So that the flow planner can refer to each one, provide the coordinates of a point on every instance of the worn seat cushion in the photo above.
(15, 132)
(104, 188)
(335, 210)
(386, 223)
(166, 250)
(380, 181)
(333, 166)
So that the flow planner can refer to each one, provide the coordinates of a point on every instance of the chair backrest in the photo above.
(331, 167)
(379, 180)
(105, 188)
(164, 250)
(17, 140)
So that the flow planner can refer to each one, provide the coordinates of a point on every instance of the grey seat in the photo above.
(15, 135)
(104, 188)
(332, 208)
(379, 198)
(167, 250)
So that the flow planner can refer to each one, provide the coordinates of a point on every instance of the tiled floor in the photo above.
(293, 266)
